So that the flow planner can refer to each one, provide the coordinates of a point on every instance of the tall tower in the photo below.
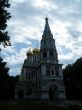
(48, 48)
(51, 71)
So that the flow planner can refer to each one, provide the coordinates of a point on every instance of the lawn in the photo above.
(22, 105)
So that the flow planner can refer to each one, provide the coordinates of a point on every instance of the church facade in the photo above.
(41, 75)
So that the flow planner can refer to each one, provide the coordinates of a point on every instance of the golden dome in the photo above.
(36, 51)
(29, 53)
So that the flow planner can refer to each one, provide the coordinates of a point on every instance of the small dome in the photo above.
(36, 51)
(29, 53)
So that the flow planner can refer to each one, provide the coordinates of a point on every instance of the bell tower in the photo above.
(51, 70)
(48, 48)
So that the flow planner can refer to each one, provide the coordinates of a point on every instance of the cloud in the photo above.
(15, 62)
(27, 24)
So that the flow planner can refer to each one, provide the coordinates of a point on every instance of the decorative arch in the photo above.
(52, 71)
(53, 93)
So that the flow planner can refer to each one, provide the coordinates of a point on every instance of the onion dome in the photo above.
(29, 53)
(36, 51)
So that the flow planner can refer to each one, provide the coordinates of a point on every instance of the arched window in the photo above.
(51, 94)
(57, 70)
(47, 70)
(52, 72)
(44, 41)
(35, 58)
(51, 54)
(44, 54)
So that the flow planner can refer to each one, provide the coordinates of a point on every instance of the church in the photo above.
(41, 74)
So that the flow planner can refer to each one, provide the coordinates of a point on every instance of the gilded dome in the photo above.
(36, 51)
(29, 53)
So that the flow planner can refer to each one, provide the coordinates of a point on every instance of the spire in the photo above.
(47, 31)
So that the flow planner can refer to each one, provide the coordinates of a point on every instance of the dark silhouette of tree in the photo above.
(3, 70)
(73, 80)
(4, 16)
(3, 79)
(7, 83)
(12, 82)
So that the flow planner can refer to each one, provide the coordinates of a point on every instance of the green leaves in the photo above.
(4, 16)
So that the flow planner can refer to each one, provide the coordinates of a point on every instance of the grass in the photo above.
(22, 105)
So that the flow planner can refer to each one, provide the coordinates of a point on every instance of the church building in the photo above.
(41, 74)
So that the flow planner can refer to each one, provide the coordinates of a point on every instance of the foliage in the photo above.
(3, 70)
(73, 80)
(7, 83)
(4, 16)
(3, 78)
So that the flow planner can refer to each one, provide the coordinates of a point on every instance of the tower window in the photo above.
(57, 71)
(35, 58)
(45, 41)
(44, 54)
(52, 72)
(51, 54)
(47, 70)
(29, 76)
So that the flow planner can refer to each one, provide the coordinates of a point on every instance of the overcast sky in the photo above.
(27, 24)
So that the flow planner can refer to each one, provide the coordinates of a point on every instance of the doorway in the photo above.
(53, 93)
(20, 94)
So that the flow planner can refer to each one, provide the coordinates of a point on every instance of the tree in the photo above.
(73, 80)
(4, 16)
(3, 70)
(3, 79)
(7, 83)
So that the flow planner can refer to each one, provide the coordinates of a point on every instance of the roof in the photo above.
(36, 51)
(29, 53)
(47, 32)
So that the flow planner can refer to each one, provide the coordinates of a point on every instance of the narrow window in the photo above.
(44, 41)
(44, 55)
(35, 58)
(52, 72)
(51, 54)
(57, 71)
(47, 70)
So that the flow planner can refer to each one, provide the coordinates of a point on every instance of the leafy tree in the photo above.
(73, 80)
(4, 16)
(3, 70)
(7, 83)
(3, 79)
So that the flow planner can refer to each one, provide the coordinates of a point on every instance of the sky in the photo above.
(26, 27)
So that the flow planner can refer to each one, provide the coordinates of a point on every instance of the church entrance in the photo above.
(53, 94)
(20, 94)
